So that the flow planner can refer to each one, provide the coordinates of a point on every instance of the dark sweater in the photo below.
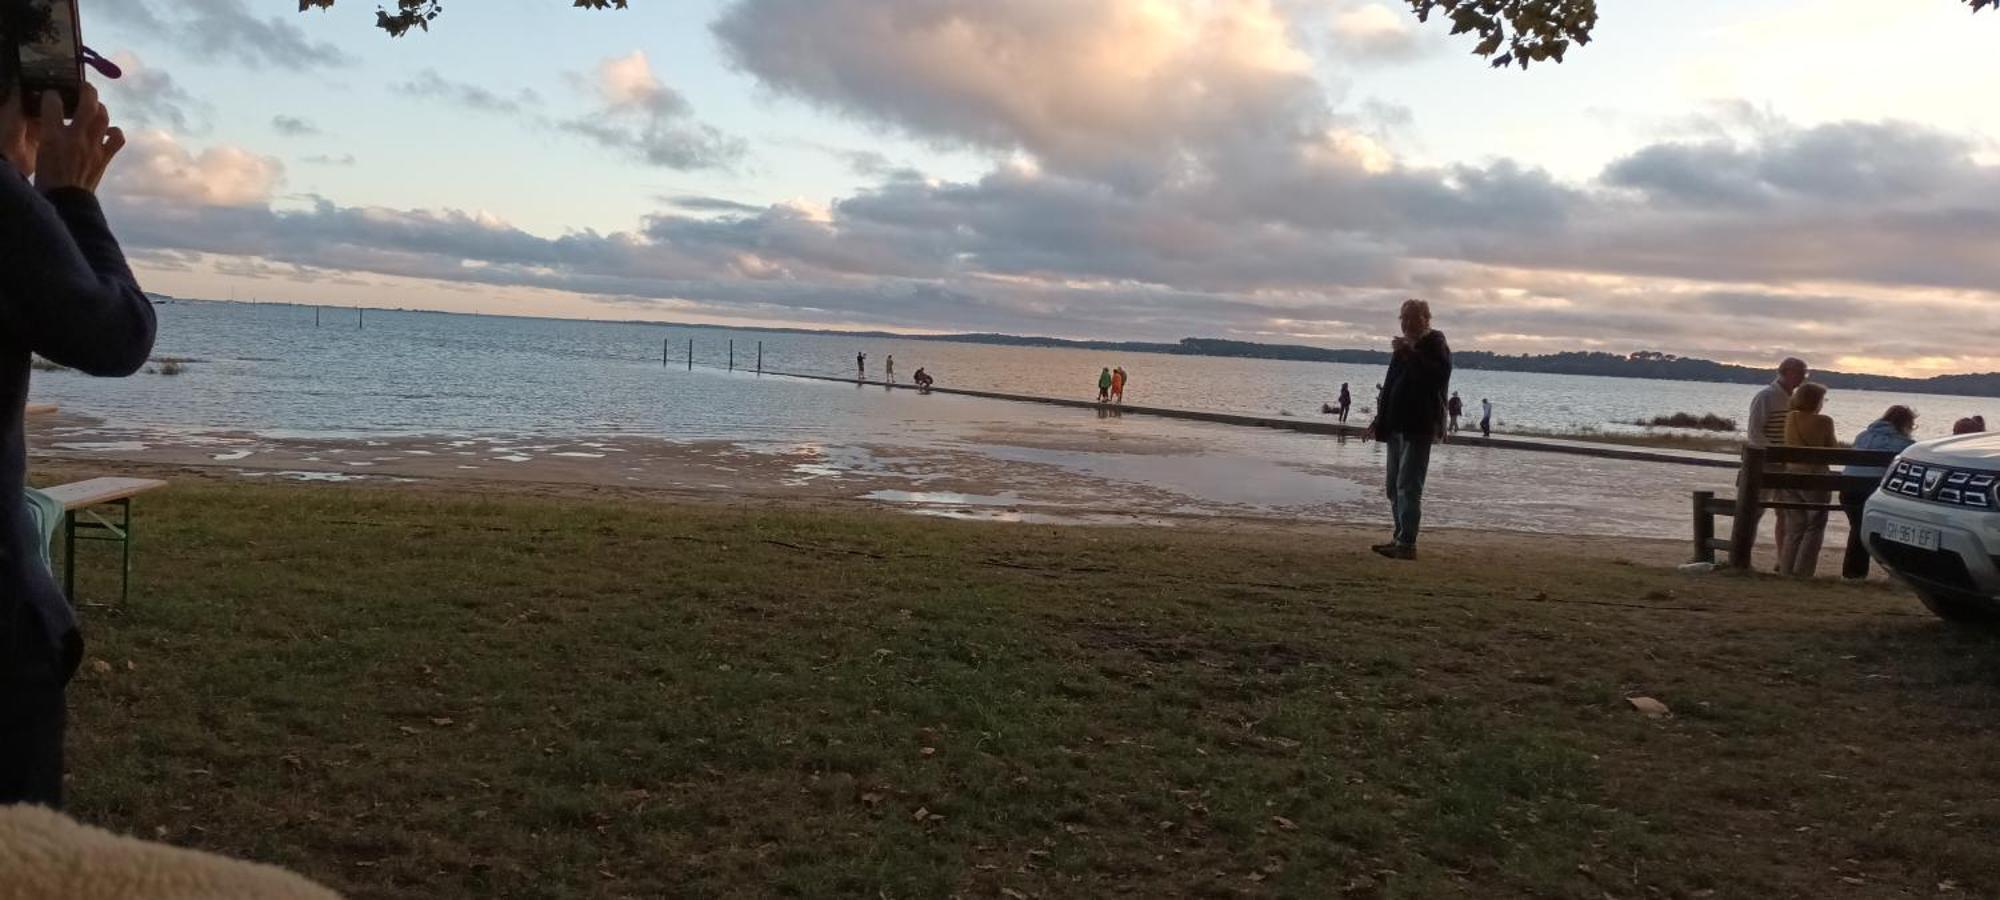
(1413, 395)
(65, 293)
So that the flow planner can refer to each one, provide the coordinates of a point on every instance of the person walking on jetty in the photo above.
(1805, 529)
(1766, 425)
(1455, 408)
(860, 367)
(1409, 418)
(1485, 418)
(1118, 385)
(1346, 402)
(1104, 385)
(889, 369)
(1893, 433)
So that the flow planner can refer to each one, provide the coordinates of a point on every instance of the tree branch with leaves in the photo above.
(1509, 32)
(419, 13)
(1519, 32)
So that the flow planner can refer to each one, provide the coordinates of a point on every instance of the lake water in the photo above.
(267, 369)
(531, 389)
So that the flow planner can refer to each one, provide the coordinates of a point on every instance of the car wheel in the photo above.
(1960, 608)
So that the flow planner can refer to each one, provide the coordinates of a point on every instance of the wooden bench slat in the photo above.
(1828, 456)
(1814, 481)
(91, 492)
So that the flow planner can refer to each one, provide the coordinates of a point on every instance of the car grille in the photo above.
(1941, 567)
(1942, 484)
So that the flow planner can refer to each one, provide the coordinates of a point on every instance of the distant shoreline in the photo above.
(1645, 365)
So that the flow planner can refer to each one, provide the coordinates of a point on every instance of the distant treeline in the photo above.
(1659, 366)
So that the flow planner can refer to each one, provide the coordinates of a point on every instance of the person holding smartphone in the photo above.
(67, 294)
(1409, 417)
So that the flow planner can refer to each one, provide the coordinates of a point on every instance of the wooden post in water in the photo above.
(732, 354)
(359, 314)
(690, 354)
(315, 317)
(760, 357)
(666, 346)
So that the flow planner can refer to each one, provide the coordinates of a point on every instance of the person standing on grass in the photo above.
(1892, 433)
(1485, 418)
(1766, 425)
(1455, 408)
(1104, 385)
(1346, 402)
(1409, 417)
(1805, 529)
(66, 294)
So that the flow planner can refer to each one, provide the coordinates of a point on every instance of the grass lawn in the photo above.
(427, 692)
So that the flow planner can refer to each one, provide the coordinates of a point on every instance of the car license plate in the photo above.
(1910, 533)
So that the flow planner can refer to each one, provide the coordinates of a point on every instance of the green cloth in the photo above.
(48, 516)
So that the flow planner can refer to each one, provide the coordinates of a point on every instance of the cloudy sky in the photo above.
(1736, 179)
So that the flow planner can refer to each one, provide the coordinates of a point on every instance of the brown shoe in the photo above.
(1396, 551)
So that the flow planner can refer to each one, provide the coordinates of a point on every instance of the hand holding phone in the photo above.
(74, 153)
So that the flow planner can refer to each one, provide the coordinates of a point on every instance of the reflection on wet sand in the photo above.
(1062, 467)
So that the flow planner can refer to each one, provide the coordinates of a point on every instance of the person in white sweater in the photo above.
(1766, 425)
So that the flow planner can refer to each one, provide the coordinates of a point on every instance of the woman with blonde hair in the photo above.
(1805, 529)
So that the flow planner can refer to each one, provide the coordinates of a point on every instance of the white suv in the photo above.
(1935, 523)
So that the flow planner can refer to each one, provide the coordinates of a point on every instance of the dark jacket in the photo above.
(65, 293)
(1413, 396)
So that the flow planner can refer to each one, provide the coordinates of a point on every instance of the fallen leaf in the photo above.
(921, 814)
(871, 798)
(406, 729)
(441, 722)
(928, 751)
(100, 667)
(1648, 707)
(1947, 886)
(1010, 892)
(1285, 823)
(131, 666)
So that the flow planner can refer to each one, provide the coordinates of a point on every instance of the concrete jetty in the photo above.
(1310, 426)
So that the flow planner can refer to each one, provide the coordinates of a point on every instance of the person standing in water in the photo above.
(889, 369)
(1485, 418)
(1409, 418)
(1346, 402)
(1118, 385)
(860, 367)
(1104, 385)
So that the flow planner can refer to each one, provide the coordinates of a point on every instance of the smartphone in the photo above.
(50, 48)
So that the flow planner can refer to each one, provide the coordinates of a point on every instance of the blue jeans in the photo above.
(1409, 465)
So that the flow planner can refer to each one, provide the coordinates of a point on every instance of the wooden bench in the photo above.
(1762, 471)
(81, 502)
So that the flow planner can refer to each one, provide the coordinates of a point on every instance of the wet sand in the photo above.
(1067, 468)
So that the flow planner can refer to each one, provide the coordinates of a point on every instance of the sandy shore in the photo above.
(1068, 470)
